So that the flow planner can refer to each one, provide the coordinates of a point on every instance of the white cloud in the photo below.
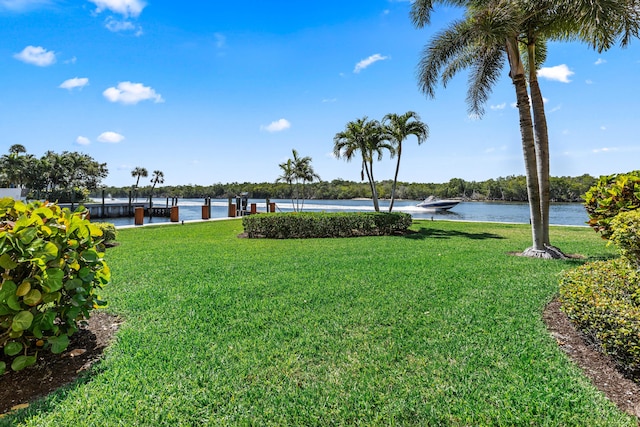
(83, 140)
(329, 100)
(36, 55)
(368, 61)
(277, 126)
(560, 73)
(125, 8)
(499, 106)
(600, 61)
(131, 93)
(110, 137)
(589, 82)
(603, 128)
(606, 150)
(116, 26)
(22, 5)
(74, 83)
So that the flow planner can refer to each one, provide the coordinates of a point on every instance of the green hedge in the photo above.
(603, 299)
(321, 224)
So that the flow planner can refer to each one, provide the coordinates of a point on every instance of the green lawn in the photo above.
(442, 327)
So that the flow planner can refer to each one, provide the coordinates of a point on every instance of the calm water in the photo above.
(561, 214)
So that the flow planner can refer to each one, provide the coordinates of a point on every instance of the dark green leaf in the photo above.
(58, 344)
(22, 362)
(12, 348)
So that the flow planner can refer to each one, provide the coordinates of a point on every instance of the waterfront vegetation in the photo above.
(441, 327)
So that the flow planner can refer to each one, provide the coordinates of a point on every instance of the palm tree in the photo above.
(399, 128)
(495, 29)
(597, 23)
(367, 137)
(303, 172)
(17, 149)
(139, 172)
(481, 42)
(288, 176)
(156, 178)
(297, 172)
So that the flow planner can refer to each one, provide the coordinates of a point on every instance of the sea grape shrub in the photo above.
(52, 266)
(611, 195)
(603, 300)
(626, 235)
(298, 225)
(109, 233)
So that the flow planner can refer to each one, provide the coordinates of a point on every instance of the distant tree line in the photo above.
(511, 188)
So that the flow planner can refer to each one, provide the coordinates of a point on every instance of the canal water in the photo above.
(560, 213)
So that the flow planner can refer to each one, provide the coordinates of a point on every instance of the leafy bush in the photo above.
(109, 232)
(320, 224)
(611, 195)
(52, 265)
(626, 235)
(602, 299)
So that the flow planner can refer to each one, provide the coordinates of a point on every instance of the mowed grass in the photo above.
(442, 327)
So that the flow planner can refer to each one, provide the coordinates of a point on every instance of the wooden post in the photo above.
(272, 207)
(205, 212)
(175, 213)
(139, 216)
(254, 208)
(232, 209)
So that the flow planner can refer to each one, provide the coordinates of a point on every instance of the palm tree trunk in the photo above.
(374, 192)
(541, 145)
(395, 179)
(528, 146)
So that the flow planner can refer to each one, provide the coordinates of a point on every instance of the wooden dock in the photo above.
(120, 210)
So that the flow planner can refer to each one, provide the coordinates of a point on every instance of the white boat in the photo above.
(438, 204)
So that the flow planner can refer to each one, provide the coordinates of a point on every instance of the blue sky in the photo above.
(218, 91)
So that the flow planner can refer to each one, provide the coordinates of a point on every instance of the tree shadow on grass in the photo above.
(434, 233)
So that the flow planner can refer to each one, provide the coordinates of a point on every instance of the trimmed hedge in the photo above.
(320, 224)
(603, 299)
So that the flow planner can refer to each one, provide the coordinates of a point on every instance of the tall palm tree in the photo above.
(505, 28)
(399, 128)
(139, 172)
(599, 24)
(367, 137)
(483, 41)
(156, 178)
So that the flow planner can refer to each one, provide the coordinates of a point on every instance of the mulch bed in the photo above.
(601, 369)
(52, 371)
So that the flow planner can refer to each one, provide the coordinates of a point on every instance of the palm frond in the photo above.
(485, 73)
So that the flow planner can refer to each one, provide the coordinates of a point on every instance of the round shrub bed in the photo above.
(296, 225)
(603, 299)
